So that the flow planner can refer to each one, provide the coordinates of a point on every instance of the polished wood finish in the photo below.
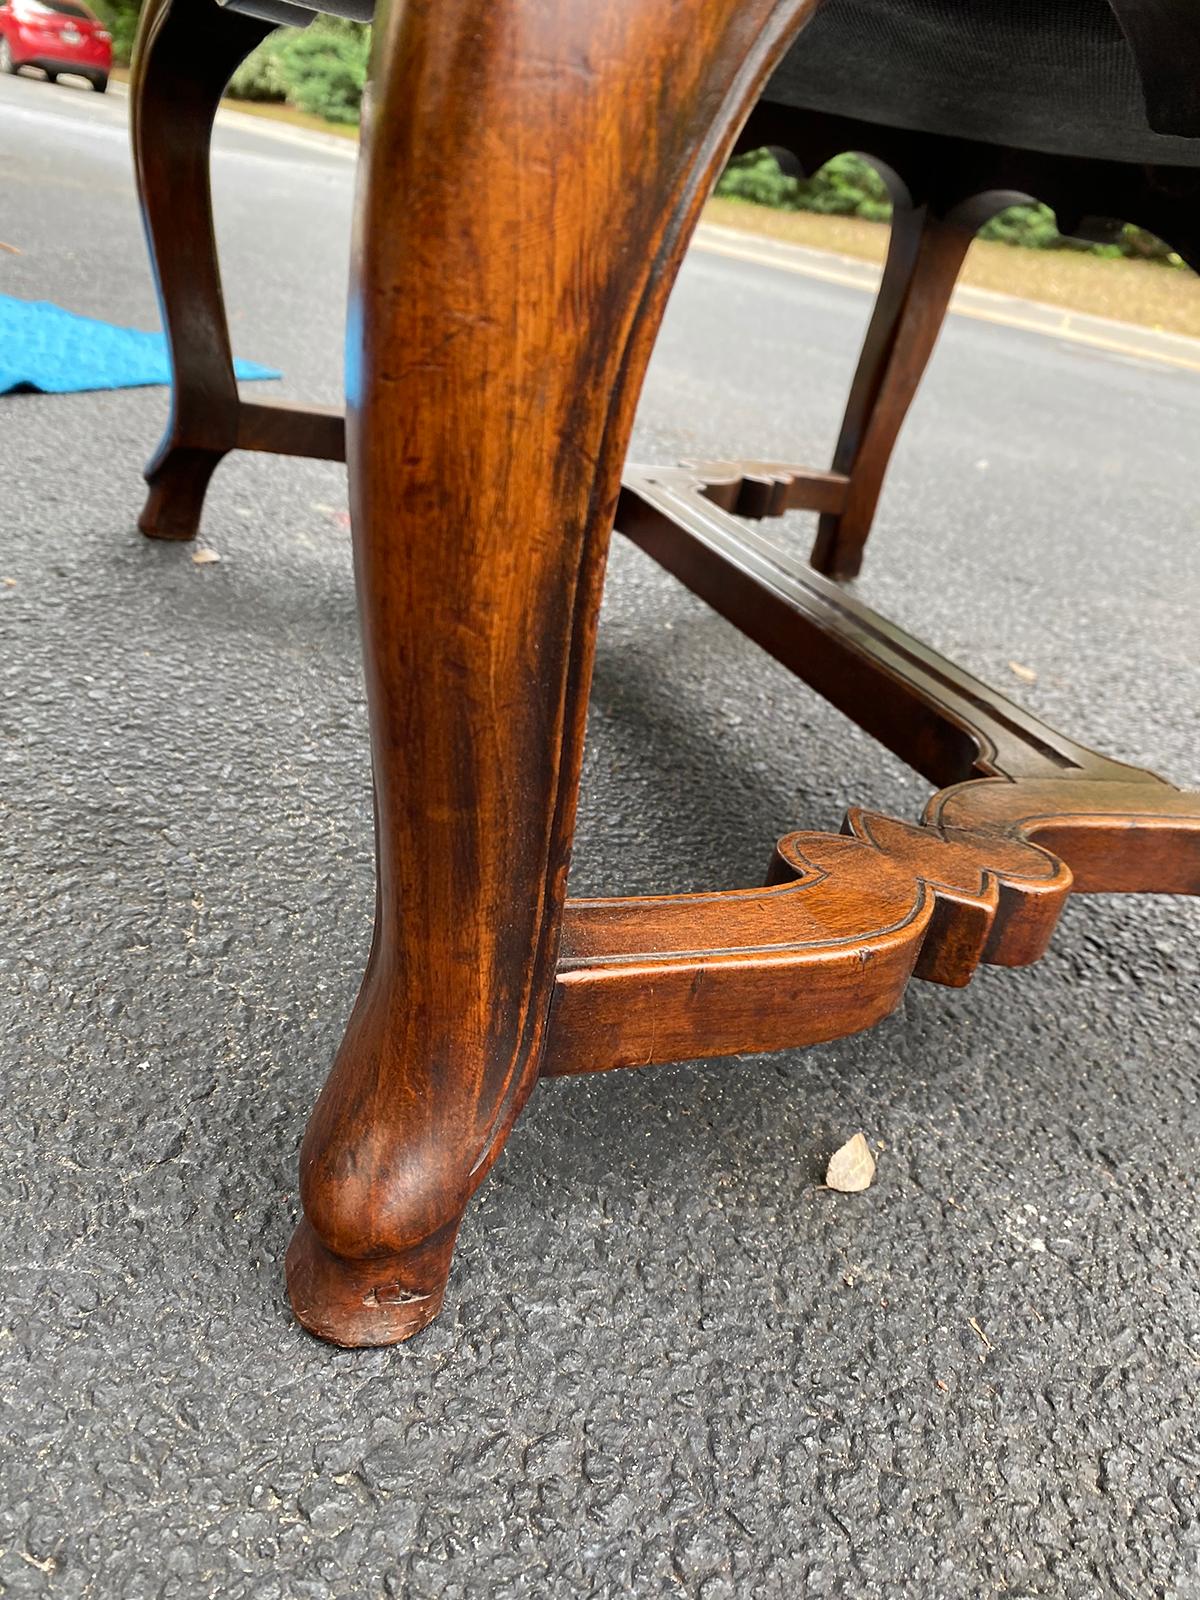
(186, 52)
(828, 946)
(938, 718)
(495, 356)
(286, 430)
(825, 950)
(924, 256)
(1137, 836)
(756, 489)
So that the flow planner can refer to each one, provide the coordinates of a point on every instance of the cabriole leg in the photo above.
(924, 258)
(187, 50)
(499, 332)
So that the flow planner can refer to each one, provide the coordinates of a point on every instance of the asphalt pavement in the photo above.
(670, 1363)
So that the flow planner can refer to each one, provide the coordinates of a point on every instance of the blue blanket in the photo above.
(44, 347)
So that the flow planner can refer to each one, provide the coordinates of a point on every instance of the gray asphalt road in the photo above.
(670, 1365)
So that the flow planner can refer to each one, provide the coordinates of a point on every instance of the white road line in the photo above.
(110, 123)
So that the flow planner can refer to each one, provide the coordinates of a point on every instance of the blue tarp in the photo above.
(43, 346)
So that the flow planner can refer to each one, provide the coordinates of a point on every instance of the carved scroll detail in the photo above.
(828, 946)
(1118, 837)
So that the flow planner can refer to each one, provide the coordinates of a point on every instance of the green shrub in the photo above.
(324, 69)
(757, 177)
(1032, 226)
(320, 69)
(260, 76)
(849, 186)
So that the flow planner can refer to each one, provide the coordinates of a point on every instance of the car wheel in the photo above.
(7, 64)
(100, 82)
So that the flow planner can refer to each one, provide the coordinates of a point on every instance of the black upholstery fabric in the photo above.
(1052, 75)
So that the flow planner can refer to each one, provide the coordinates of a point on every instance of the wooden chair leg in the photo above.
(498, 339)
(186, 52)
(924, 258)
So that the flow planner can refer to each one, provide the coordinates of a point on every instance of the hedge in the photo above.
(320, 69)
(849, 186)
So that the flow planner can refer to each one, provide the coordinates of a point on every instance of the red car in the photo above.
(56, 35)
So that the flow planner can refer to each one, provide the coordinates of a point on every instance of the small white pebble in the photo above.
(851, 1168)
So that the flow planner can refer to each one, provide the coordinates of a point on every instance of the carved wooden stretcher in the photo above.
(528, 184)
